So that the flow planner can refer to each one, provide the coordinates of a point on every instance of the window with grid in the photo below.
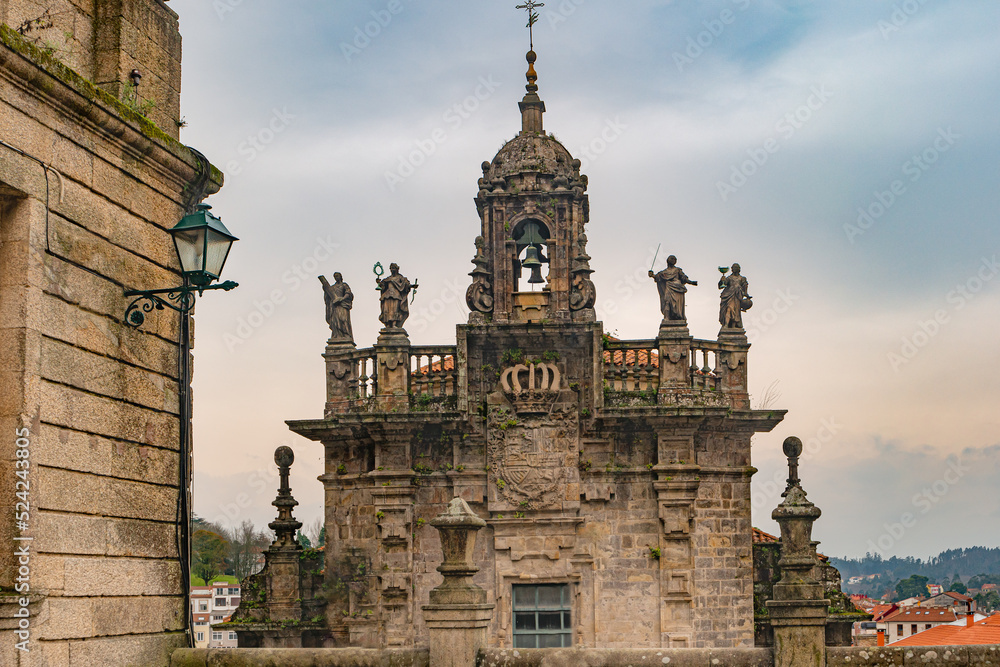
(542, 616)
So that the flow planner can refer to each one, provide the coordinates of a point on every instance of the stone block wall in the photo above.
(926, 656)
(104, 40)
(98, 398)
(740, 657)
(656, 555)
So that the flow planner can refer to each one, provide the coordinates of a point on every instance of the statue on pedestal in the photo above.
(339, 301)
(735, 299)
(395, 289)
(672, 284)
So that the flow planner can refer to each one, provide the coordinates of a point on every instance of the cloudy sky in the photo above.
(845, 153)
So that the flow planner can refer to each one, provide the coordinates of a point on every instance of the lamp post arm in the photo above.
(180, 299)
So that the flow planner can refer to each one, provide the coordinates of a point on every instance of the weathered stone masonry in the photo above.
(99, 398)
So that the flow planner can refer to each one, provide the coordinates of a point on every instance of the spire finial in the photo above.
(531, 5)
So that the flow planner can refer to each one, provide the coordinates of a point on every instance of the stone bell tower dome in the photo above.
(531, 260)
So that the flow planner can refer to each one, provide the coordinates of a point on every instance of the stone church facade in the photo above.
(614, 476)
(91, 177)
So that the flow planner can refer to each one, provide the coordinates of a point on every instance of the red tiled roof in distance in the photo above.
(632, 358)
(953, 635)
(881, 610)
(760, 537)
(958, 596)
(922, 615)
(992, 620)
(435, 366)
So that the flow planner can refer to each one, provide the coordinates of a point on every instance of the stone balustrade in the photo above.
(632, 365)
(676, 371)
(433, 370)
(357, 379)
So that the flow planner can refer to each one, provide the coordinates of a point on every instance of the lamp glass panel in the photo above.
(190, 244)
(216, 252)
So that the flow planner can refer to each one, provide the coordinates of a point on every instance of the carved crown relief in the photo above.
(532, 387)
(541, 377)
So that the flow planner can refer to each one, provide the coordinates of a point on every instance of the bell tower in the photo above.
(531, 257)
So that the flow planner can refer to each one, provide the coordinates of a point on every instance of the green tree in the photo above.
(987, 603)
(209, 551)
(303, 540)
(958, 587)
(913, 586)
(322, 537)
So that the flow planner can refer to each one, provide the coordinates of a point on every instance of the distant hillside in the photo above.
(965, 562)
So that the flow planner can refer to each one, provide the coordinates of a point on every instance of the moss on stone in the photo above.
(52, 65)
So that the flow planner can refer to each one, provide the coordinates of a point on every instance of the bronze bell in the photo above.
(533, 262)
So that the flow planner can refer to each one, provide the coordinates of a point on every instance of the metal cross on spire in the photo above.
(531, 5)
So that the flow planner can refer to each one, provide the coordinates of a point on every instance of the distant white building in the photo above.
(210, 605)
(909, 621)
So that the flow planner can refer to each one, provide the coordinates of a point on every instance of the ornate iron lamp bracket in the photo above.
(180, 299)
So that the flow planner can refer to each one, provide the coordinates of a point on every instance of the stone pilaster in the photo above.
(458, 613)
(675, 500)
(798, 609)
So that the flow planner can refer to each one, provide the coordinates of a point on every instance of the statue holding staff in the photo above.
(735, 299)
(672, 284)
(339, 301)
(395, 290)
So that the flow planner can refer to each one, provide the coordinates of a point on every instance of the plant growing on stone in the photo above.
(512, 356)
(654, 552)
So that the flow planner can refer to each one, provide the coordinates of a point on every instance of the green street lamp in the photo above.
(202, 243)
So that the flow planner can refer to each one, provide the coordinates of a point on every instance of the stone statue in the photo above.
(734, 298)
(339, 301)
(479, 296)
(672, 285)
(395, 289)
(582, 293)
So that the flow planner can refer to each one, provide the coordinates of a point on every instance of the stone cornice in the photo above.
(44, 76)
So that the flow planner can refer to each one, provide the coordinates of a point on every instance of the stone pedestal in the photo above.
(798, 609)
(284, 597)
(732, 366)
(392, 355)
(458, 614)
(799, 632)
(674, 348)
(341, 374)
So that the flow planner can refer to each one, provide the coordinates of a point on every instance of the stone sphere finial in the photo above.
(792, 447)
(284, 456)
